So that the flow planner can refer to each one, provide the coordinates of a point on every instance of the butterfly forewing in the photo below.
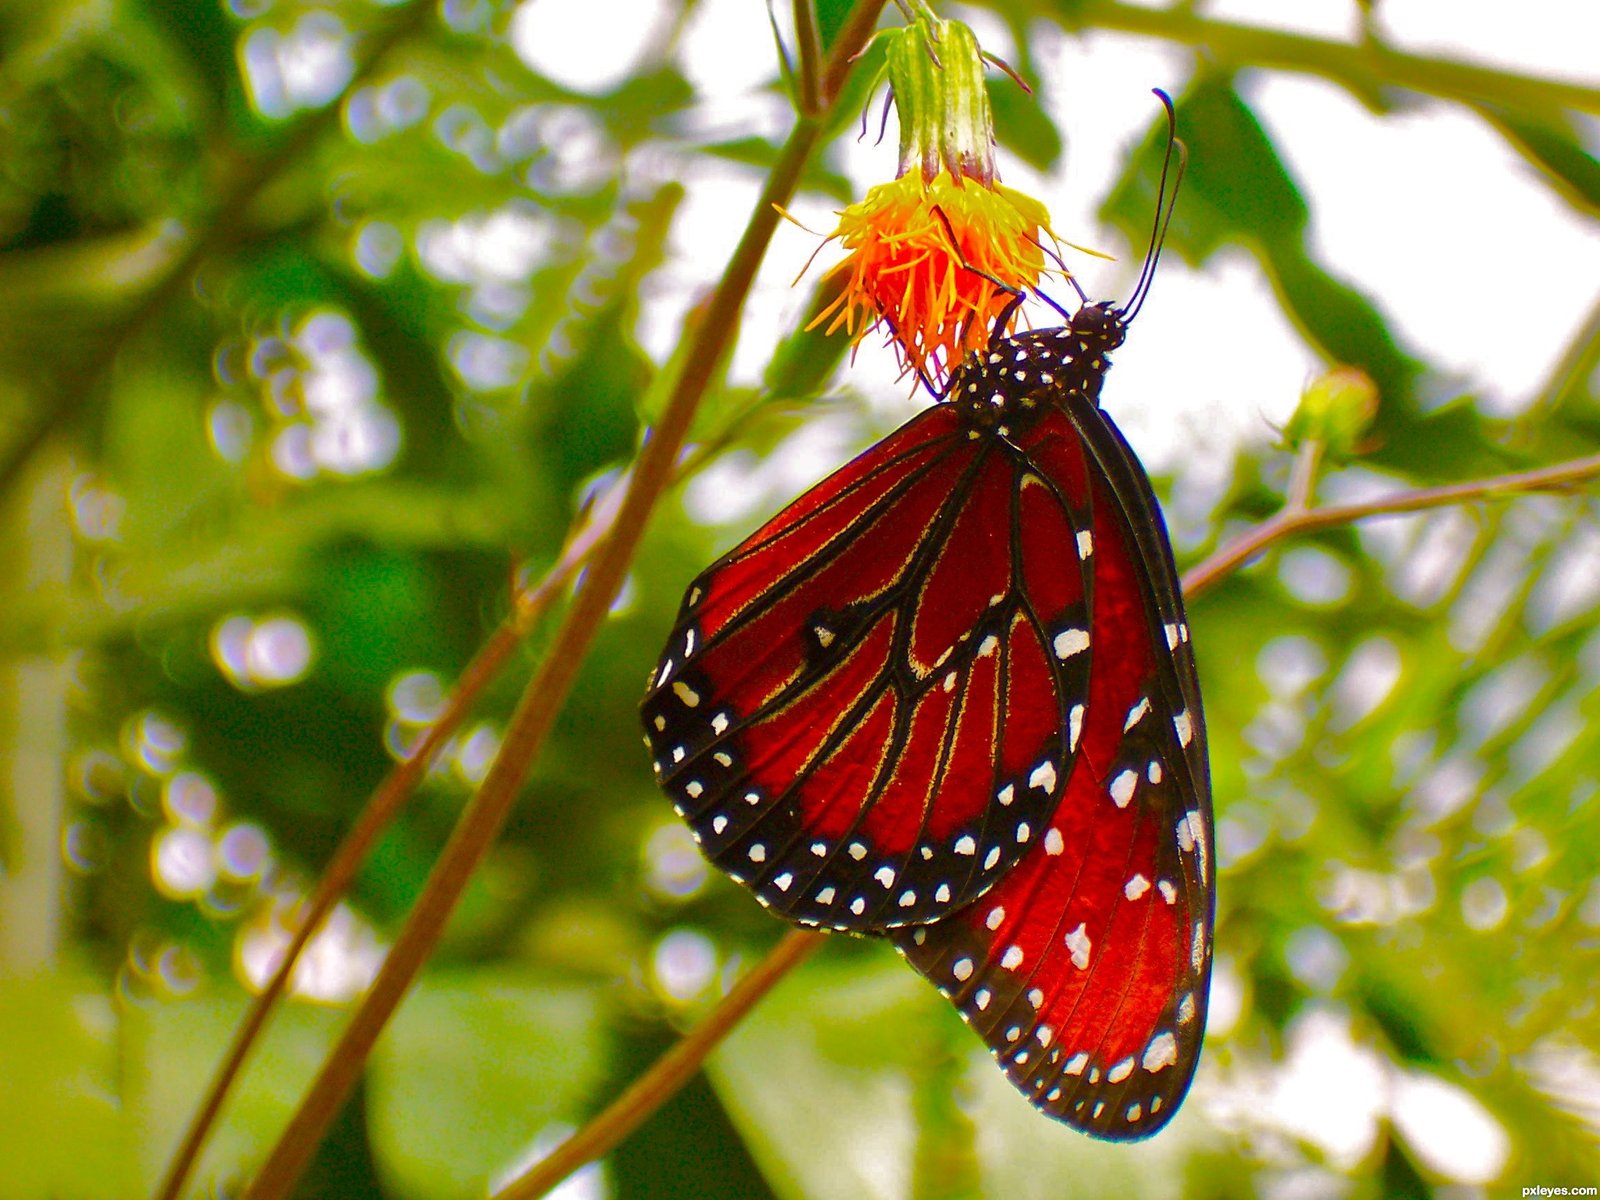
(864, 712)
(1086, 969)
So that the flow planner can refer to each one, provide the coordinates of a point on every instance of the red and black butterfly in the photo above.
(948, 695)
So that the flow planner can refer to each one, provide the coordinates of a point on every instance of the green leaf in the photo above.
(477, 1064)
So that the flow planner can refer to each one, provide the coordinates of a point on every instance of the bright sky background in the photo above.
(1427, 211)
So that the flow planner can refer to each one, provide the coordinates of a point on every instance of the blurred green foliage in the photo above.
(321, 320)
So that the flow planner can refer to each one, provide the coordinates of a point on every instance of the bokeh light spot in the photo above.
(683, 964)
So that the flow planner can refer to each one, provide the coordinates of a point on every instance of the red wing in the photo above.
(1086, 969)
(864, 711)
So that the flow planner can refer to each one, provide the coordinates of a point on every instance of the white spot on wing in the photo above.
(758, 853)
(1136, 887)
(687, 694)
(996, 917)
(1183, 726)
(1161, 1052)
(884, 875)
(1076, 1064)
(1074, 726)
(1053, 843)
(1120, 1071)
(1085, 543)
(1136, 713)
(1012, 959)
(962, 970)
(1044, 776)
(965, 844)
(1070, 642)
(1078, 943)
(1122, 788)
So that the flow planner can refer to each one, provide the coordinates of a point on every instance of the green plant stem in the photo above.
(1367, 68)
(666, 1076)
(222, 227)
(809, 51)
(481, 819)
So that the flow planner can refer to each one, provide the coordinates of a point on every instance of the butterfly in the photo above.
(948, 696)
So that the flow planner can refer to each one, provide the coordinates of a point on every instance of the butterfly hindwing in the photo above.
(1086, 969)
(864, 710)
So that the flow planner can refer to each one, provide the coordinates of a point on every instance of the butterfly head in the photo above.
(1099, 328)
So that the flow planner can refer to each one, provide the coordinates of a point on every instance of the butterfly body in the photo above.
(947, 696)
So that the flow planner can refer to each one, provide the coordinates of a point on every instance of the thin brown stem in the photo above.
(1292, 521)
(669, 1073)
(481, 819)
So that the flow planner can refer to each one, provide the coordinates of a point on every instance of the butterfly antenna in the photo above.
(1166, 205)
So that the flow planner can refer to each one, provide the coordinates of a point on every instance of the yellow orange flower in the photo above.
(904, 271)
